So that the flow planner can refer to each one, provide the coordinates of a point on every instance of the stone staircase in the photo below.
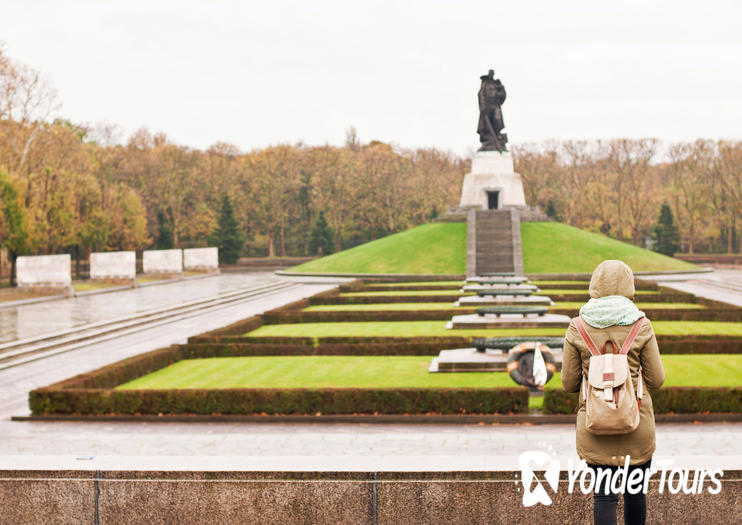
(493, 242)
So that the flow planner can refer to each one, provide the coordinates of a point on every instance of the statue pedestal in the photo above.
(492, 183)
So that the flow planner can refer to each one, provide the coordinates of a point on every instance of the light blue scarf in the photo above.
(610, 310)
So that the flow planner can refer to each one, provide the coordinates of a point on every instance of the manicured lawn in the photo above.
(389, 372)
(419, 283)
(557, 291)
(403, 292)
(437, 329)
(557, 283)
(153, 279)
(434, 249)
(396, 307)
(380, 307)
(85, 286)
(311, 372)
(553, 247)
(17, 294)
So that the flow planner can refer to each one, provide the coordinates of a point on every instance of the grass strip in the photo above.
(388, 372)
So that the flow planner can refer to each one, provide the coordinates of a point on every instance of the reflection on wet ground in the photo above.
(36, 319)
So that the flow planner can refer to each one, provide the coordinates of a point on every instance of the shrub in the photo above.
(280, 401)
(679, 399)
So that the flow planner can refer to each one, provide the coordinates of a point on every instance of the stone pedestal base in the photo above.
(508, 321)
(492, 172)
(470, 360)
(503, 300)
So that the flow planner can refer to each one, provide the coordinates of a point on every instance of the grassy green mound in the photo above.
(432, 249)
(438, 329)
(440, 248)
(388, 372)
(553, 247)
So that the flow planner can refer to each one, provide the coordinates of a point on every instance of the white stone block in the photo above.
(488, 162)
(201, 258)
(162, 261)
(44, 270)
(492, 171)
(113, 265)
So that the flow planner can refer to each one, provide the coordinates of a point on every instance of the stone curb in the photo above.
(514, 419)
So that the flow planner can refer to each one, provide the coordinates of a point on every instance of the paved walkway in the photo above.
(50, 316)
(719, 285)
(15, 383)
(236, 446)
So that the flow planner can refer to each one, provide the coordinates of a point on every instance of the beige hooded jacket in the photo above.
(614, 278)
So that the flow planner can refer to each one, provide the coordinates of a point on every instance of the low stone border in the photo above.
(288, 497)
(469, 419)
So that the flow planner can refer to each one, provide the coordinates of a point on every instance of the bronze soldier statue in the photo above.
(491, 97)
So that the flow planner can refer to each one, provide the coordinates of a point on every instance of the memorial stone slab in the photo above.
(44, 270)
(201, 259)
(162, 261)
(113, 265)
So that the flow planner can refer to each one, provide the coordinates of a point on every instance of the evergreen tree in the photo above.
(13, 232)
(164, 232)
(320, 240)
(666, 233)
(227, 235)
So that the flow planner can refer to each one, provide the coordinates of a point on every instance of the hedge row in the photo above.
(123, 371)
(379, 299)
(678, 399)
(450, 298)
(664, 297)
(678, 314)
(412, 279)
(280, 401)
(360, 316)
(638, 285)
(412, 288)
(240, 327)
(669, 344)
(199, 350)
(659, 314)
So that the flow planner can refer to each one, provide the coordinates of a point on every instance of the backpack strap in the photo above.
(585, 336)
(632, 335)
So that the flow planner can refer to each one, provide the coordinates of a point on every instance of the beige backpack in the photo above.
(611, 407)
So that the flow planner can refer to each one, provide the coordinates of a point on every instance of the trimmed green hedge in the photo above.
(670, 314)
(664, 297)
(340, 316)
(677, 399)
(414, 288)
(280, 401)
(378, 299)
(669, 344)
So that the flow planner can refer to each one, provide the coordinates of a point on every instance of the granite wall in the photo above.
(322, 497)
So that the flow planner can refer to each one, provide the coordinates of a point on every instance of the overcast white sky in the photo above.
(257, 73)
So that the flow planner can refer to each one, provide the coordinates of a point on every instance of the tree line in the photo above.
(75, 188)
(617, 187)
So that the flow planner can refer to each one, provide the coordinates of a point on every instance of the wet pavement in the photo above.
(30, 320)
